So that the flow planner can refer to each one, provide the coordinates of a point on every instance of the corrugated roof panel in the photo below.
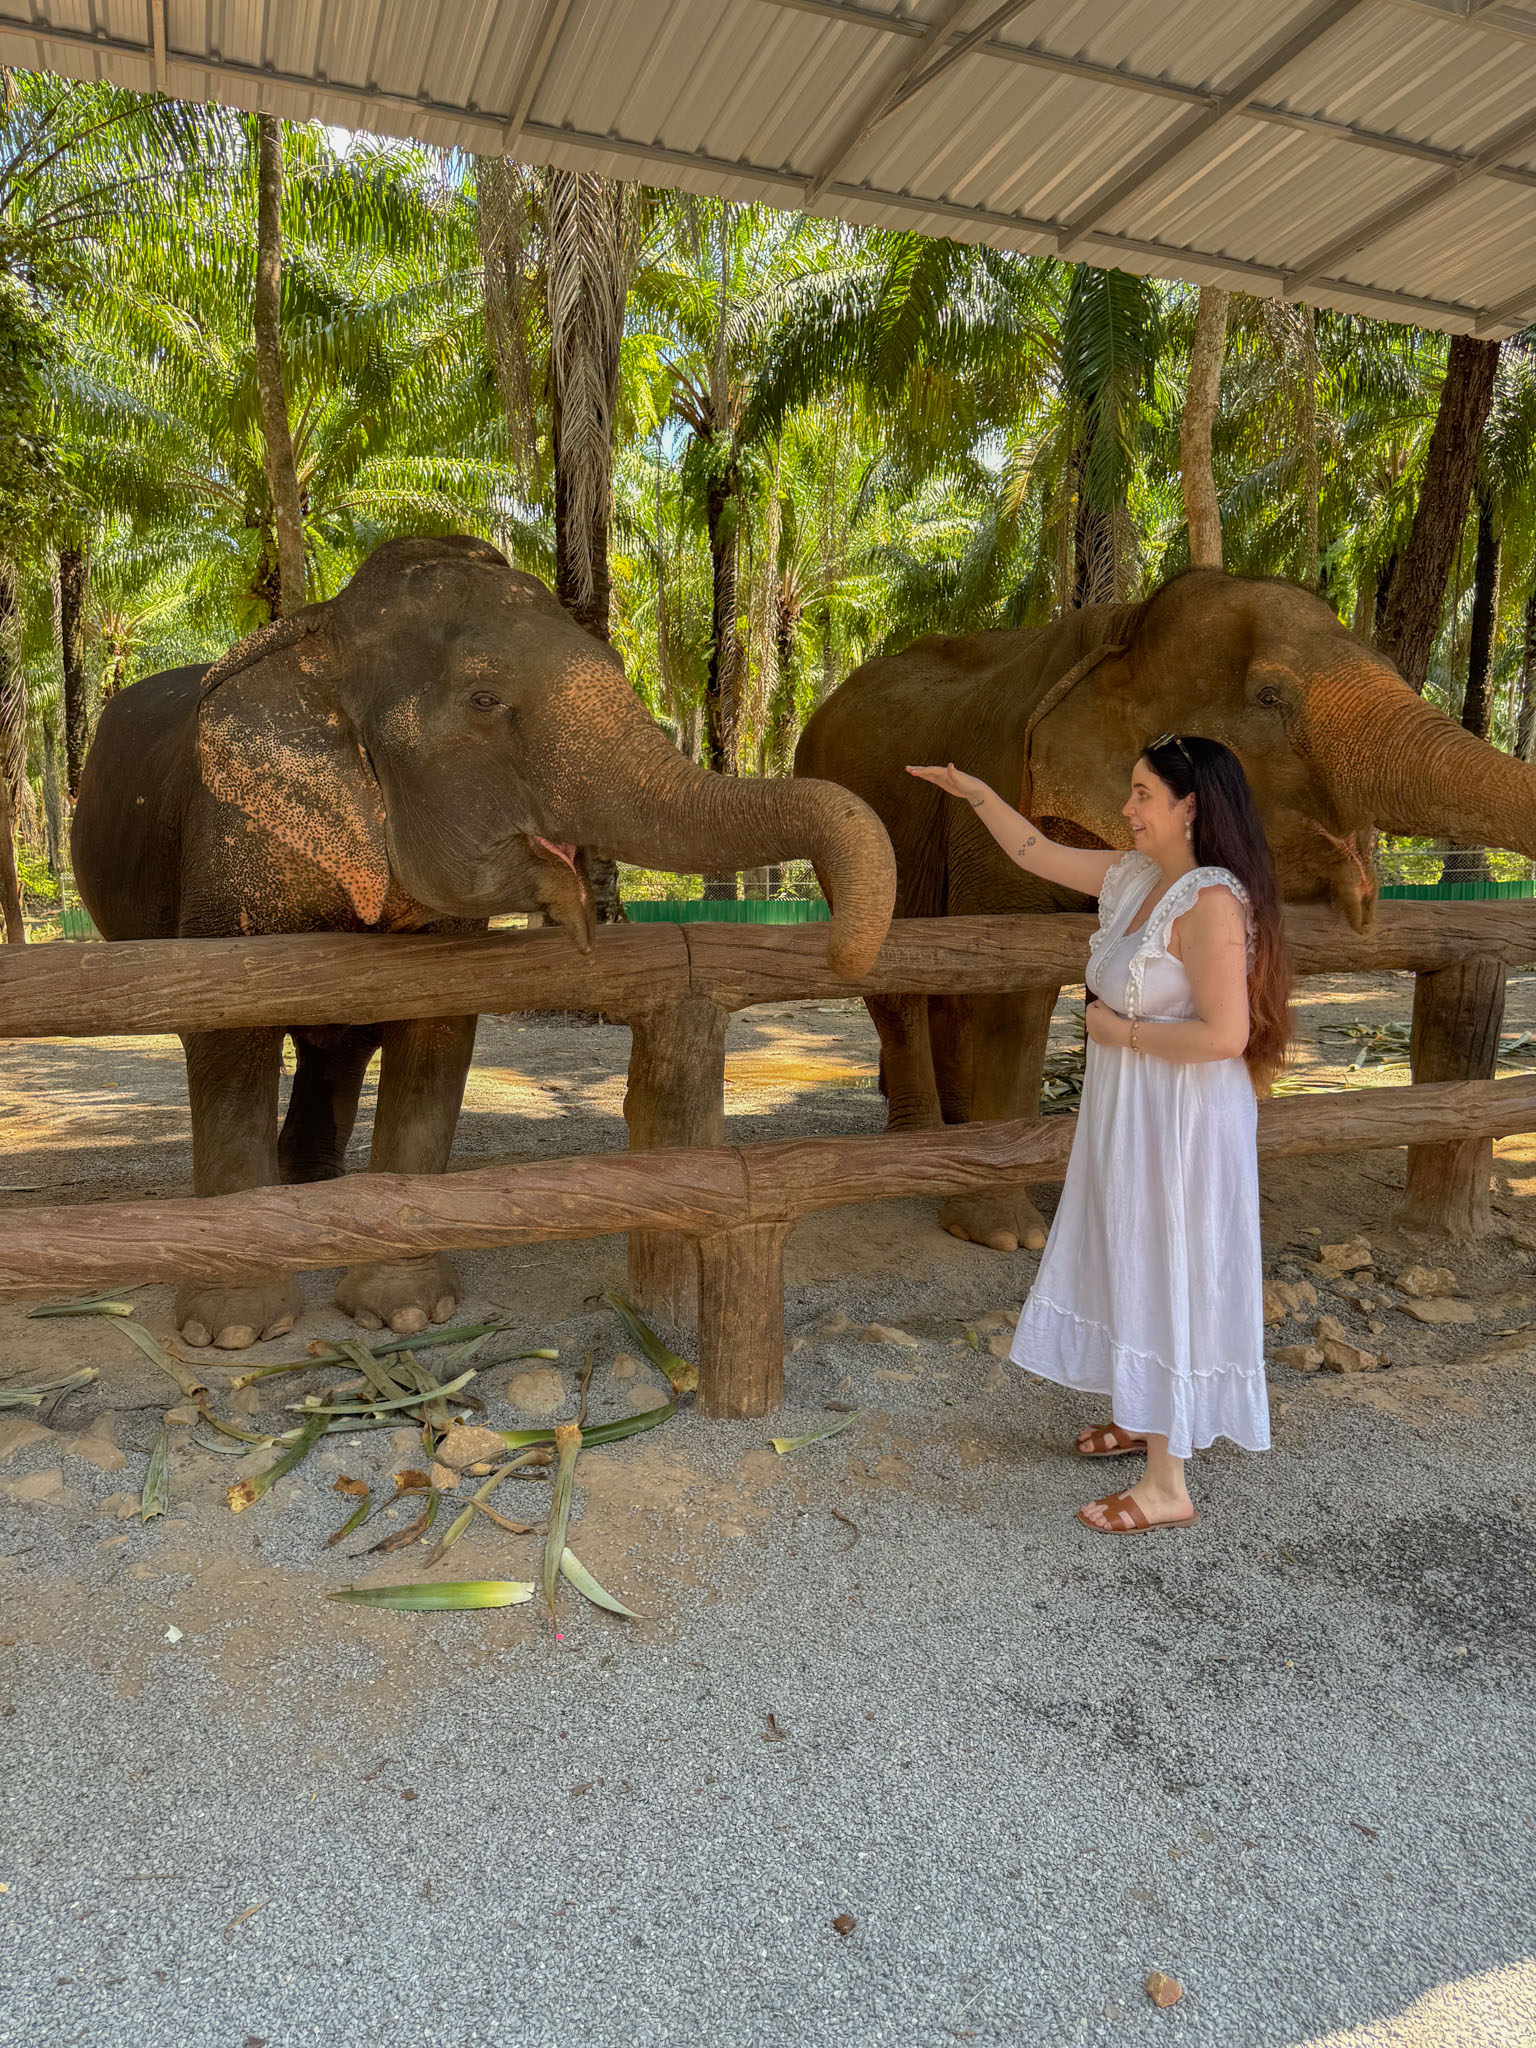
(748, 98)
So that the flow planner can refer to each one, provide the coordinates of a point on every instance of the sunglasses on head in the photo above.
(1171, 739)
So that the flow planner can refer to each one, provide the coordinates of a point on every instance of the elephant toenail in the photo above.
(367, 1318)
(278, 1329)
(406, 1322)
(195, 1334)
(235, 1337)
(443, 1308)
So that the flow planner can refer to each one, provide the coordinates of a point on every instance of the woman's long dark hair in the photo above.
(1229, 833)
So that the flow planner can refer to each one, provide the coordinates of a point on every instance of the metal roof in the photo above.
(1378, 156)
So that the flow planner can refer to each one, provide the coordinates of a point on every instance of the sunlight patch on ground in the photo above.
(1494, 2010)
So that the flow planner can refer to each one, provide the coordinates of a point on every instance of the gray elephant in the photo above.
(422, 752)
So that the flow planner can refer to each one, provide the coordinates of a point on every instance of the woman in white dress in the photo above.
(1150, 1288)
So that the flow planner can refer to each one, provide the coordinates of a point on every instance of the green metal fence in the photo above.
(787, 910)
(1455, 892)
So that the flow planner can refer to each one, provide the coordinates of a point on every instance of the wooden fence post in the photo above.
(741, 1319)
(1457, 1013)
(676, 1096)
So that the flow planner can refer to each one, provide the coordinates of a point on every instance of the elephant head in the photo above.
(1336, 745)
(442, 734)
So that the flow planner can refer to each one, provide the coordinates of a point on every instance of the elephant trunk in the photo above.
(1411, 770)
(653, 808)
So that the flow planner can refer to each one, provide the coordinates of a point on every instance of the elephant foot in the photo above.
(406, 1294)
(233, 1317)
(1002, 1222)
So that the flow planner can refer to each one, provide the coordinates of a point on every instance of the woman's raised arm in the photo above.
(1074, 867)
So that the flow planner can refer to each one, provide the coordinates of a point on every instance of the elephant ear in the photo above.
(276, 746)
(1055, 693)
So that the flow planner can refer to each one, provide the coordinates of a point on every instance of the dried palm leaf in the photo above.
(246, 1492)
(156, 1497)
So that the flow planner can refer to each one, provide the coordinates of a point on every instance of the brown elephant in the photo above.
(1336, 745)
(420, 753)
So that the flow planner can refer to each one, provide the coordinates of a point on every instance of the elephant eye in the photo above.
(1269, 696)
(484, 701)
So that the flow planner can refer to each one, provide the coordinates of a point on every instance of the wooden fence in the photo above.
(727, 1209)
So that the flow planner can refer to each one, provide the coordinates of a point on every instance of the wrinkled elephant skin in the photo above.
(1335, 745)
(422, 752)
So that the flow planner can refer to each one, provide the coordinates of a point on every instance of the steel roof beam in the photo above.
(1089, 73)
(915, 81)
(887, 99)
(534, 70)
(1418, 201)
(1320, 23)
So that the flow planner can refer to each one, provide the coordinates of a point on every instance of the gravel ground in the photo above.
(1283, 1756)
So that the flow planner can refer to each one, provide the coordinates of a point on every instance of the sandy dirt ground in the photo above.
(697, 1526)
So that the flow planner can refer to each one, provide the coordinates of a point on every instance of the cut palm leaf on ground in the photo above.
(88, 1305)
(451, 1597)
(600, 1432)
(156, 1497)
(567, 1444)
(246, 1492)
(812, 1436)
(683, 1376)
(477, 1500)
(576, 1573)
(38, 1391)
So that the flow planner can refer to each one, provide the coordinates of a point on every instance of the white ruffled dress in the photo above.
(1150, 1287)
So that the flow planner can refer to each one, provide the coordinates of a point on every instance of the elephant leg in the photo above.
(906, 1062)
(421, 1089)
(322, 1105)
(952, 1036)
(232, 1079)
(1009, 1038)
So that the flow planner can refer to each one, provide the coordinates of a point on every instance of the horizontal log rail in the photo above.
(736, 1202)
(88, 990)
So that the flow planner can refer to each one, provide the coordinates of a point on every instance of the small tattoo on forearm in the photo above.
(1029, 842)
(977, 802)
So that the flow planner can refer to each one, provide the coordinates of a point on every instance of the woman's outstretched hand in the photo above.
(955, 782)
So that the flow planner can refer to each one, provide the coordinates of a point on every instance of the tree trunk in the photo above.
(1470, 863)
(1311, 468)
(13, 755)
(71, 593)
(1417, 594)
(1525, 730)
(277, 436)
(1201, 509)
(588, 221)
(53, 806)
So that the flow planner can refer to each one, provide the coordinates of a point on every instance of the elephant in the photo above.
(1336, 746)
(421, 752)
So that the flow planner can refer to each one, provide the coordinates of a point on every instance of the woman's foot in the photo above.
(1143, 1507)
(1109, 1440)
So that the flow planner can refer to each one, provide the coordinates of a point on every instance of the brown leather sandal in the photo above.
(1109, 1440)
(1134, 1523)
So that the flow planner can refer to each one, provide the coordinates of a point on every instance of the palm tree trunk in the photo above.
(1201, 509)
(1470, 863)
(589, 223)
(1525, 728)
(1306, 431)
(277, 435)
(71, 592)
(13, 755)
(1417, 596)
(53, 804)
